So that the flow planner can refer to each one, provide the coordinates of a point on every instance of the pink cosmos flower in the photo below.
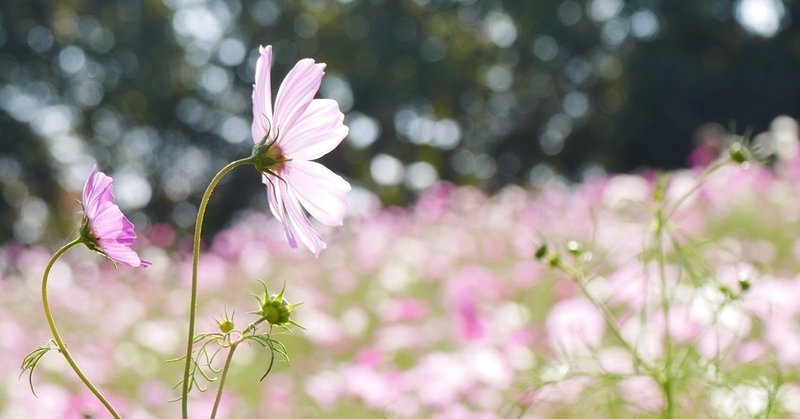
(297, 130)
(105, 229)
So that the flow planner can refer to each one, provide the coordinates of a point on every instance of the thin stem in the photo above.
(608, 316)
(57, 337)
(665, 309)
(198, 228)
(666, 381)
(233, 347)
(252, 326)
(701, 180)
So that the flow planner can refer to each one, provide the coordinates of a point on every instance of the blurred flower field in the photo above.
(442, 310)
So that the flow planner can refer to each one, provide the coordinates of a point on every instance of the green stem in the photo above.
(608, 316)
(250, 328)
(222, 378)
(701, 180)
(198, 228)
(57, 337)
(665, 308)
(661, 220)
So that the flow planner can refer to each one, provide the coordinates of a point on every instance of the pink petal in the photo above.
(108, 223)
(262, 96)
(121, 252)
(320, 191)
(113, 232)
(128, 234)
(318, 131)
(277, 207)
(298, 222)
(96, 191)
(296, 92)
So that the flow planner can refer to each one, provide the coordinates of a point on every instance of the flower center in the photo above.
(268, 157)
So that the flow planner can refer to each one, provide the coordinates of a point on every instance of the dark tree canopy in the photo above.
(157, 93)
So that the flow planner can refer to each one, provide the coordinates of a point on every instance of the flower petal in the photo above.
(262, 96)
(318, 131)
(111, 231)
(272, 196)
(296, 92)
(96, 191)
(121, 252)
(297, 221)
(277, 207)
(108, 221)
(320, 191)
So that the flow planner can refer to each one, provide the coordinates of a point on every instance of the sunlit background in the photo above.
(157, 93)
(478, 130)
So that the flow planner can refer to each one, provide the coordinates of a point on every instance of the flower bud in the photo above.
(276, 310)
(225, 326)
(738, 153)
(554, 260)
(744, 284)
(541, 251)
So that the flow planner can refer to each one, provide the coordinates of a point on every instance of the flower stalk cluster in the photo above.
(665, 370)
(287, 138)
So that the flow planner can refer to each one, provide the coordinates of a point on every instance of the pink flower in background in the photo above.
(299, 129)
(105, 228)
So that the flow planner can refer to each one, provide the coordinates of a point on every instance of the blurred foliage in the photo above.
(157, 93)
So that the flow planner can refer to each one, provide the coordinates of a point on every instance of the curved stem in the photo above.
(252, 326)
(61, 347)
(198, 228)
(222, 378)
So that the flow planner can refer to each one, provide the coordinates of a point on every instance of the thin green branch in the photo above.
(198, 229)
(57, 337)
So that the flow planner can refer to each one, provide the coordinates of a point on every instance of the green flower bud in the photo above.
(738, 153)
(541, 251)
(744, 284)
(225, 323)
(276, 310)
(554, 260)
(225, 326)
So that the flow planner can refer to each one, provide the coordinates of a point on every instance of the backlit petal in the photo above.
(272, 195)
(120, 252)
(111, 232)
(96, 191)
(320, 191)
(296, 92)
(298, 222)
(275, 199)
(318, 131)
(262, 95)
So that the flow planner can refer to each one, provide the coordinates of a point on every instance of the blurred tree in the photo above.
(486, 92)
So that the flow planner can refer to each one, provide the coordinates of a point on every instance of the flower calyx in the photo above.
(267, 157)
(274, 308)
(88, 238)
